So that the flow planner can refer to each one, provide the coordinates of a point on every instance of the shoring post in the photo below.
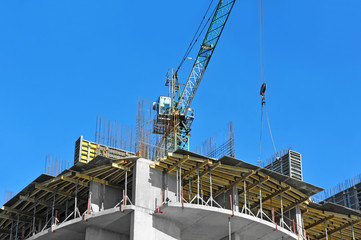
(17, 228)
(353, 232)
(260, 200)
(231, 204)
(293, 225)
(326, 229)
(190, 190)
(273, 215)
(34, 219)
(53, 209)
(22, 233)
(76, 200)
(229, 229)
(182, 198)
(126, 187)
(202, 191)
(11, 229)
(198, 185)
(176, 176)
(341, 234)
(281, 221)
(245, 196)
(180, 180)
(210, 186)
(66, 208)
(122, 205)
(167, 182)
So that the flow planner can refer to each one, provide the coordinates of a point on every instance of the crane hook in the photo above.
(262, 92)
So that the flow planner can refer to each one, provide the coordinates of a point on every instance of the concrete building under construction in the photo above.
(114, 194)
(144, 183)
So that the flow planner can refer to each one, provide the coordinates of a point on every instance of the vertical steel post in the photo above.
(229, 229)
(341, 234)
(66, 208)
(76, 200)
(281, 223)
(52, 210)
(326, 229)
(245, 196)
(180, 183)
(210, 186)
(11, 229)
(17, 228)
(198, 185)
(177, 183)
(190, 189)
(353, 232)
(126, 187)
(260, 200)
(34, 219)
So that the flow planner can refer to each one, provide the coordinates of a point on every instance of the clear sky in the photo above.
(64, 62)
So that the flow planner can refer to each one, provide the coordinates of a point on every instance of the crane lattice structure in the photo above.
(174, 115)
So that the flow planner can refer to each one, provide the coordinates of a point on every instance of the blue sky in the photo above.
(64, 62)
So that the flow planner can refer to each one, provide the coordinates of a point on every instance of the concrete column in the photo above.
(94, 233)
(146, 223)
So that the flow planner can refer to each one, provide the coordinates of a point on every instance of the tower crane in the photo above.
(174, 116)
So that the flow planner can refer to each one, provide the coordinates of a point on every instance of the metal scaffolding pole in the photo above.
(34, 219)
(17, 228)
(11, 230)
(326, 229)
(126, 187)
(53, 210)
(198, 185)
(76, 200)
(177, 183)
(281, 222)
(353, 232)
(180, 184)
(210, 186)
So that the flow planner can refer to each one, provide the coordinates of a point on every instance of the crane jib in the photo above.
(210, 41)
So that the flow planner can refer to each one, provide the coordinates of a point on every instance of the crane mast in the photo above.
(174, 115)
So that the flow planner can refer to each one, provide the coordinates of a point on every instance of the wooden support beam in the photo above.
(180, 162)
(214, 166)
(16, 211)
(9, 217)
(339, 228)
(40, 202)
(47, 189)
(293, 205)
(72, 180)
(90, 178)
(205, 163)
(119, 166)
(234, 183)
(271, 196)
(319, 222)
(262, 180)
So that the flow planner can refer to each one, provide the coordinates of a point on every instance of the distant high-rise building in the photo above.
(289, 164)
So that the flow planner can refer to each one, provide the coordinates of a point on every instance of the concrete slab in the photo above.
(112, 220)
(211, 223)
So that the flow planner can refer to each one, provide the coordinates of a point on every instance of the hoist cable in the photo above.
(260, 138)
(261, 43)
(195, 37)
(269, 127)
